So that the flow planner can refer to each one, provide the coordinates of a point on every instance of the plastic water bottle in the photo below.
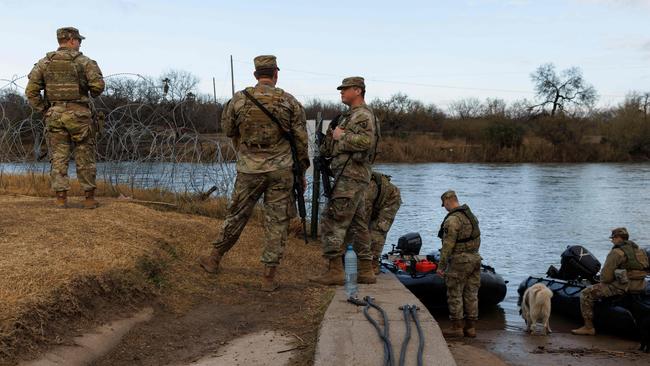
(351, 287)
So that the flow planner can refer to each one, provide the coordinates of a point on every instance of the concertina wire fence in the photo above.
(149, 145)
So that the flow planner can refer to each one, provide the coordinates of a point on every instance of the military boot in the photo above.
(334, 274)
(455, 330)
(375, 266)
(268, 282)
(90, 201)
(62, 199)
(210, 263)
(366, 273)
(587, 329)
(470, 328)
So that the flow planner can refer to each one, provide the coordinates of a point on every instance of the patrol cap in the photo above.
(620, 232)
(265, 62)
(352, 81)
(448, 194)
(69, 32)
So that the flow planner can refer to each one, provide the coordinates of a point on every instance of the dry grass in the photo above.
(60, 265)
(38, 184)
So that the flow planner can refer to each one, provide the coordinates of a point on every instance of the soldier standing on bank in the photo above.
(383, 200)
(264, 165)
(67, 78)
(351, 145)
(460, 265)
(624, 271)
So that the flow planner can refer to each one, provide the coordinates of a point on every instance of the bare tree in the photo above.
(494, 107)
(519, 109)
(559, 91)
(403, 113)
(636, 102)
(179, 83)
(466, 108)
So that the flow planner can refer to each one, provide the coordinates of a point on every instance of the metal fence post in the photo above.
(315, 187)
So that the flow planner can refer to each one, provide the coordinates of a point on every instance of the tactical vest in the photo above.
(464, 209)
(369, 155)
(635, 258)
(63, 77)
(256, 128)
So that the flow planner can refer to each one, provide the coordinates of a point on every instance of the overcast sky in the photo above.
(435, 51)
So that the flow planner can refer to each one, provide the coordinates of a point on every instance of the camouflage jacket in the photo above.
(617, 259)
(458, 228)
(382, 204)
(356, 146)
(92, 81)
(236, 122)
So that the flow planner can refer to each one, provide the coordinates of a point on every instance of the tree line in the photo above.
(562, 114)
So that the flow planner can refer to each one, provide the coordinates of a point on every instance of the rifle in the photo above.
(323, 163)
(296, 168)
(98, 119)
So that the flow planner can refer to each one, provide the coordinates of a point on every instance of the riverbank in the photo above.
(38, 184)
(426, 148)
(497, 346)
(66, 271)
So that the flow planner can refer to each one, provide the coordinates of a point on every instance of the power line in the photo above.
(427, 85)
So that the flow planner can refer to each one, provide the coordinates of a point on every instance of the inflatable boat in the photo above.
(418, 274)
(618, 315)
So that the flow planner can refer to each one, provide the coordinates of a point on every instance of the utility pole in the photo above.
(232, 77)
(214, 89)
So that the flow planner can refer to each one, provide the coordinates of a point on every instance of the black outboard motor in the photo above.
(409, 244)
(577, 264)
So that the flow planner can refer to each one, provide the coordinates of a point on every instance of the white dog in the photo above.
(536, 306)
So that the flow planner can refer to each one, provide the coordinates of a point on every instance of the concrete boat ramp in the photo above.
(346, 337)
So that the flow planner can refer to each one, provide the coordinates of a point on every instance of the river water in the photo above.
(528, 213)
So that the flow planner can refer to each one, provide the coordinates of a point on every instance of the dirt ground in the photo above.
(68, 270)
(495, 345)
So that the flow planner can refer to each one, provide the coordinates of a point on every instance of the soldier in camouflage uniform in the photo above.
(264, 165)
(352, 146)
(383, 199)
(67, 78)
(460, 265)
(624, 271)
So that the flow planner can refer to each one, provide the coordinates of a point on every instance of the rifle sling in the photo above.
(273, 118)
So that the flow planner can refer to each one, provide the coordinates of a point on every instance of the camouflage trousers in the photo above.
(377, 241)
(66, 126)
(463, 279)
(278, 209)
(596, 292)
(345, 215)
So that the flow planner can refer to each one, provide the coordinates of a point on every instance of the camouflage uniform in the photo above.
(617, 259)
(383, 199)
(264, 163)
(352, 155)
(461, 262)
(67, 77)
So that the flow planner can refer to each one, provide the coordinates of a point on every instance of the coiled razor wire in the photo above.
(149, 140)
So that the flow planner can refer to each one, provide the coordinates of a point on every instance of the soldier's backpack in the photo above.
(578, 264)
(63, 77)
